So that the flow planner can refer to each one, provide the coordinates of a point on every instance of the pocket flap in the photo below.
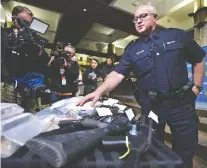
(173, 46)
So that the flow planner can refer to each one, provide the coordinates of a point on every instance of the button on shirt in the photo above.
(159, 60)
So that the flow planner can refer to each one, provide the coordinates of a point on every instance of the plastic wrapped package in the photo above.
(17, 130)
(81, 111)
(9, 110)
(67, 110)
(64, 102)
(74, 101)
(26, 130)
(8, 147)
(60, 113)
(14, 121)
(52, 120)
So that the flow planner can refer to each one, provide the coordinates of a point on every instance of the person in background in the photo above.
(108, 68)
(158, 60)
(62, 73)
(90, 77)
(30, 58)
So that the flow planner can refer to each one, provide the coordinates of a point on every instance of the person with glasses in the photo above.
(63, 70)
(158, 60)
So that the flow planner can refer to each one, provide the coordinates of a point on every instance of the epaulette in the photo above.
(130, 44)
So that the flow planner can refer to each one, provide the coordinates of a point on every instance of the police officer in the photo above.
(158, 60)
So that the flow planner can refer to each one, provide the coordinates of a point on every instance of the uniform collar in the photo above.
(154, 35)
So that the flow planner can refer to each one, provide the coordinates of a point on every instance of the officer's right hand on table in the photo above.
(109, 84)
(94, 97)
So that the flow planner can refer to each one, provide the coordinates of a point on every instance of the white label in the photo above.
(130, 114)
(62, 71)
(103, 111)
(153, 116)
(63, 81)
(110, 102)
(120, 106)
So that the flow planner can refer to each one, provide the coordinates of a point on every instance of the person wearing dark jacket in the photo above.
(108, 68)
(90, 77)
(62, 75)
(19, 56)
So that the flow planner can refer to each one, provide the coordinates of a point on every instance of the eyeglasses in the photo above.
(142, 17)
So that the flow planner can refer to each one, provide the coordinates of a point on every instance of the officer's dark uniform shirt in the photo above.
(159, 60)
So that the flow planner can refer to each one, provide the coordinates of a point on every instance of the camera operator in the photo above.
(30, 57)
(22, 55)
(63, 72)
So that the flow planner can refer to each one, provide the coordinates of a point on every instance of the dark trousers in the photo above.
(180, 115)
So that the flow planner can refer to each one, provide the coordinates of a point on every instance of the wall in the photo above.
(201, 101)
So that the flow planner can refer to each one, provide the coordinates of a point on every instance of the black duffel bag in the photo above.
(146, 151)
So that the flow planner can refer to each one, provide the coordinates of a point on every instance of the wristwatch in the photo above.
(200, 88)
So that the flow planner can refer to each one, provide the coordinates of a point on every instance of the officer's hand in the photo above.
(195, 90)
(94, 96)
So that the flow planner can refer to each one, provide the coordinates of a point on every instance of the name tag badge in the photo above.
(140, 52)
(170, 42)
(63, 81)
(62, 71)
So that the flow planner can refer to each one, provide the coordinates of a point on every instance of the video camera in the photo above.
(28, 37)
(60, 54)
(59, 59)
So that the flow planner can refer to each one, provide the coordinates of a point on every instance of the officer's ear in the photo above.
(155, 16)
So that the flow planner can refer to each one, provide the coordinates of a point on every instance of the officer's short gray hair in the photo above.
(150, 5)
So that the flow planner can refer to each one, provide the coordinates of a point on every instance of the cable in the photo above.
(128, 149)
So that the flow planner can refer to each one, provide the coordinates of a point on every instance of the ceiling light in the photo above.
(84, 10)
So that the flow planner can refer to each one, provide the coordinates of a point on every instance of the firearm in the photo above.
(68, 126)
(59, 149)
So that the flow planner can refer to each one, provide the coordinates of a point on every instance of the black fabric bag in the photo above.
(158, 156)
(152, 154)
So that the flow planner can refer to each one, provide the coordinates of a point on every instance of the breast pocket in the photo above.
(173, 53)
(170, 47)
(143, 62)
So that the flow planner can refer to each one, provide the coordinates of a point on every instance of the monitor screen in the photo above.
(38, 26)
